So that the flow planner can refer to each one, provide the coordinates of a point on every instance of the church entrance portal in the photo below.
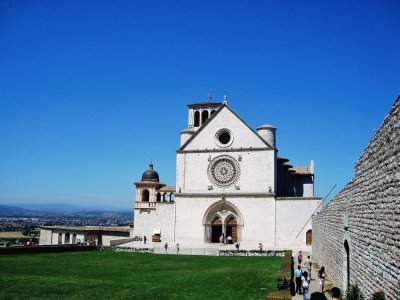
(222, 218)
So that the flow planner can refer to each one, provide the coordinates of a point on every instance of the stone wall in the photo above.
(369, 208)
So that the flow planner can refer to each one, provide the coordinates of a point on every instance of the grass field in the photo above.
(117, 275)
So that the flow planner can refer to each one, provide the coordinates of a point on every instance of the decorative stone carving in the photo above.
(223, 171)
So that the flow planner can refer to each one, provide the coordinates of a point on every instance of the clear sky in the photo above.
(91, 91)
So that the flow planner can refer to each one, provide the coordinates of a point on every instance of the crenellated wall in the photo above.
(369, 208)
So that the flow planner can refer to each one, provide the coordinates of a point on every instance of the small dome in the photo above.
(150, 175)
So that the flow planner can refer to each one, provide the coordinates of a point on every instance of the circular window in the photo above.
(224, 138)
(223, 171)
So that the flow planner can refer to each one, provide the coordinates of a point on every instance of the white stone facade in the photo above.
(230, 182)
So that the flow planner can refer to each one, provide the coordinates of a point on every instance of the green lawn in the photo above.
(116, 275)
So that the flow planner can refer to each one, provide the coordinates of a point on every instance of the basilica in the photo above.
(230, 182)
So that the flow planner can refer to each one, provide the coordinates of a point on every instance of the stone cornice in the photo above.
(225, 150)
(149, 183)
(226, 195)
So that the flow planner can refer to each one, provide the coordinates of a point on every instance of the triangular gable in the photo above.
(224, 117)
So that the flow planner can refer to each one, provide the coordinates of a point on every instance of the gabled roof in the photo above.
(224, 105)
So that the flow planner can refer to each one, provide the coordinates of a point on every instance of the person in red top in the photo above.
(300, 257)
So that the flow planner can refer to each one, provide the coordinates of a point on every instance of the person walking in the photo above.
(308, 264)
(300, 257)
(260, 247)
(321, 276)
(144, 240)
(166, 247)
(298, 275)
(305, 283)
(177, 248)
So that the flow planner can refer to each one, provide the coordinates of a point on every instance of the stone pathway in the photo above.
(314, 284)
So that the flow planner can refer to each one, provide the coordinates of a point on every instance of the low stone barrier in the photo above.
(251, 253)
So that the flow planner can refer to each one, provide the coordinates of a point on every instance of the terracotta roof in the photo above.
(266, 126)
(188, 130)
(89, 228)
(205, 104)
(168, 188)
(301, 170)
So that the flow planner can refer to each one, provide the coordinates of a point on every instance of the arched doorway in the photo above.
(222, 217)
(66, 238)
(231, 228)
(309, 237)
(216, 230)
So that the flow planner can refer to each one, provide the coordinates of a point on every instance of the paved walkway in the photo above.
(314, 284)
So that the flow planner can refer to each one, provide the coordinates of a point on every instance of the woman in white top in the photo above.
(305, 284)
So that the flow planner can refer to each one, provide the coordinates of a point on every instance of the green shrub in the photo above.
(354, 293)
(378, 296)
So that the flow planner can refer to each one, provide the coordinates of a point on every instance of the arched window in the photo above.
(212, 112)
(158, 197)
(165, 197)
(60, 238)
(145, 196)
(172, 197)
(204, 116)
(196, 118)
(74, 238)
(66, 238)
(309, 237)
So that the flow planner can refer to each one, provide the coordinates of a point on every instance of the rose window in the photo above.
(223, 171)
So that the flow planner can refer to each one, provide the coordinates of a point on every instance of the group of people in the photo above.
(225, 240)
(30, 243)
(178, 247)
(303, 280)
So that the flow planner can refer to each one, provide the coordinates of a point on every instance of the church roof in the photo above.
(168, 189)
(150, 175)
(205, 104)
(89, 228)
(301, 170)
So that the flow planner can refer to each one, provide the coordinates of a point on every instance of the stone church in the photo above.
(230, 182)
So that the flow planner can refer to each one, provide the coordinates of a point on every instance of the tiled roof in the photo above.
(301, 170)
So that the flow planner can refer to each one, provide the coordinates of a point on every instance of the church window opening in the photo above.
(309, 237)
(223, 171)
(74, 238)
(204, 116)
(66, 238)
(145, 196)
(196, 119)
(172, 197)
(60, 238)
(212, 112)
(165, 197)
(158, 197)
(216, 230)
(224, 138)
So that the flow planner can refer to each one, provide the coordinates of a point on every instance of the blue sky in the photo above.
(91, 91)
